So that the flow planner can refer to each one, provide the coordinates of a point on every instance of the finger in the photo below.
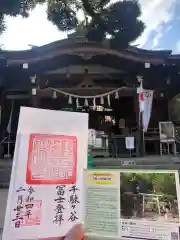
(52, 238)
(76, 233)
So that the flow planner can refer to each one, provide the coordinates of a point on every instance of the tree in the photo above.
(174, 109)
(159, 183)
(2, 25)
(119, 20)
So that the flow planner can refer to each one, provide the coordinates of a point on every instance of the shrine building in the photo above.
(76, 75)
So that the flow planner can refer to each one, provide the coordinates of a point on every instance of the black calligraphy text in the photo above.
(73, 201)
(24, 206)
(59, 209)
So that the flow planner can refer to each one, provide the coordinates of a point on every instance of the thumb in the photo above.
(75, 233)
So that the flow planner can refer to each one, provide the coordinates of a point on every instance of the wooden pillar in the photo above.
(6, 106)
(35, 99)
(136, 106)
(168, 82)
(136, 134)
(4, 111)
(140, 144)
(2, 116)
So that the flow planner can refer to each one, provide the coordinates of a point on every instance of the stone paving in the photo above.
(3, 199)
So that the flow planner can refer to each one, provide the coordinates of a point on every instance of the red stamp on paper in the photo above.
(32, 213)
(52, 159)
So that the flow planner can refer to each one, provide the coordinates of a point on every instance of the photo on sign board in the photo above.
(149, 196)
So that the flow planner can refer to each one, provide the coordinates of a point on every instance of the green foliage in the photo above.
(119, 20)
(174, 109)
(2, 24)
(17, 7)
(158, 183)
(63, 15)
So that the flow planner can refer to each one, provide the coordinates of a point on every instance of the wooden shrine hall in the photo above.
(76, 75)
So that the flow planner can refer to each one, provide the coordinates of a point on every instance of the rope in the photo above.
(88, 97)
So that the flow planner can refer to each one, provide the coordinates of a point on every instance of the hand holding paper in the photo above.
(45, 198)
(76, 233)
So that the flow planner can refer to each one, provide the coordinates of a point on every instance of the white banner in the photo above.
(148, 98)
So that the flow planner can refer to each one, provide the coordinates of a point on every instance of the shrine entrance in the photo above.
(75, 75)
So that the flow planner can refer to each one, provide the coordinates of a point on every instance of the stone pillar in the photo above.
(35, 101)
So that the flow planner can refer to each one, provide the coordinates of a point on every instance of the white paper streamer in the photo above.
(109, 100)
(54, 96)
(116, 95)
(70, 100)
(94, 102)
(86, 102)
(77, 102)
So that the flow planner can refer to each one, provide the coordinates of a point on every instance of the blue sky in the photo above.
(167, 35)
(162, 18)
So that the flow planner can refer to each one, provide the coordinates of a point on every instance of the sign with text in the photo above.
(129, 141)
(132, 204)
(45, 195)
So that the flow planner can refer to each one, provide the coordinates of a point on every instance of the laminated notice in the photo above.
(132, 204)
